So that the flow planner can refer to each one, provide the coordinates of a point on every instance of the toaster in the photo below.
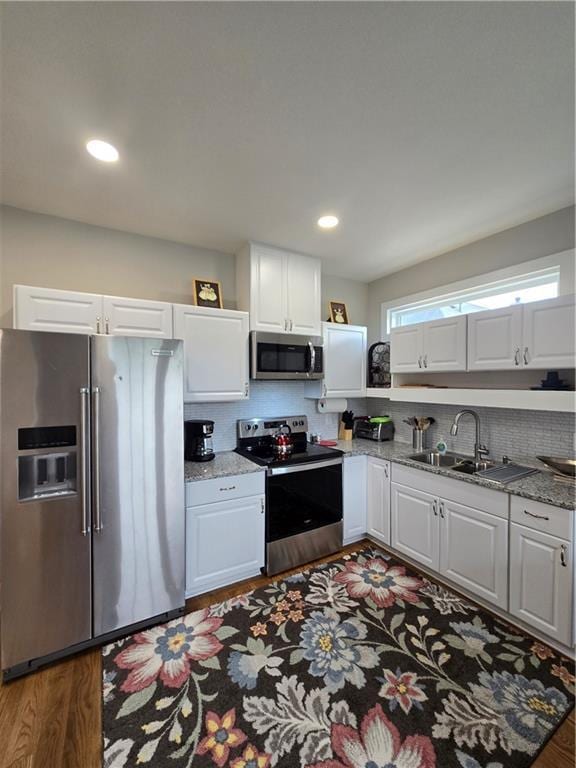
(370, 430)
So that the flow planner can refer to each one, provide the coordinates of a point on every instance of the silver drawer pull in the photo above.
(538, 517)
(563, 554)
(230, 488)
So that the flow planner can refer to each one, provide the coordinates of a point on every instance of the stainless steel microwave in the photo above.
(277, 356)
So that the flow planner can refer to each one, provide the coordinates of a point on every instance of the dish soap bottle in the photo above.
(441, 446)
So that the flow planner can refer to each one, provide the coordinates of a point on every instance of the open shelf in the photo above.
(491, 398)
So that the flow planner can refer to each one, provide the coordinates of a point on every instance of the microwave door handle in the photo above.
(312, 358)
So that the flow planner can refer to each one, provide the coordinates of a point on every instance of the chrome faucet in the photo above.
(479, 449)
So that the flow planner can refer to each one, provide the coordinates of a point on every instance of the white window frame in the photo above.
(564, 261)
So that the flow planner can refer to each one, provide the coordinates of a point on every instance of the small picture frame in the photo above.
(207, 293)
(338, 312)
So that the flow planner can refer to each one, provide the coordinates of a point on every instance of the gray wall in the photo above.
(540, 237)
(58, 253)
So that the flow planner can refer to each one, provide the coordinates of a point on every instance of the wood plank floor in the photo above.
(52, 718)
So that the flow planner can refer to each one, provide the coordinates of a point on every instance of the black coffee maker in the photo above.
(198, 440)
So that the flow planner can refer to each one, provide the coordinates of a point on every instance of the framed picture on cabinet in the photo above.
(207, 293)
(338, 312)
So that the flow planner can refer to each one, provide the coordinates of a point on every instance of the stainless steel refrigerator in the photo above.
(91, 491)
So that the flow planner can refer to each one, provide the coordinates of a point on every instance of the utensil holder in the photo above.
(418, 439)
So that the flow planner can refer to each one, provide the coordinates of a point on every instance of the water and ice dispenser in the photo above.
(47, 462)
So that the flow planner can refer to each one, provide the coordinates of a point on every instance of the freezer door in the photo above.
(45, 563)
(138, 479)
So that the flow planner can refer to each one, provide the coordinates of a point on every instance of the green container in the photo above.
(380, 419)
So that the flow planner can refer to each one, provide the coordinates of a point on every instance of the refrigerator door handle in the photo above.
(98, 525)
(85, 459)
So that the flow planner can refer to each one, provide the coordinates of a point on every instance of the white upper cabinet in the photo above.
(548, 339)
(444, 344)
(47, 309)
(439, 345)
(137, 317)
(281, 290)
(344, 362)
(495, 339)
(406, 349)
(215, 353)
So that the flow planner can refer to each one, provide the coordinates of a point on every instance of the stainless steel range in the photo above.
(303, 490)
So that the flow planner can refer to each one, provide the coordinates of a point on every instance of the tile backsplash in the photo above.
(268, 398)
(505, 431)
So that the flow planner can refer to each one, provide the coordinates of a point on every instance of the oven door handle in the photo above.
(303, 467)
(312, 358)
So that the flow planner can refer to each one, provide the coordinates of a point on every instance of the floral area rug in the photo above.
(358, 663)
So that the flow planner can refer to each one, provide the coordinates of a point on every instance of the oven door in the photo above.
(303, 513)
(283, 356)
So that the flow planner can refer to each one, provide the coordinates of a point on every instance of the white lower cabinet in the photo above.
(415, 524)
(354, 498)
(465, 541)
(541, 581)
(378, 499)
(225, 537)
(474, 550)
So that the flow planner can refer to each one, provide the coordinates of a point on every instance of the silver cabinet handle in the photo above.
(229, 488)
(435, 508)
(96, 459)
(324, 390)
(442, 510)
(97, 325)
(285, 324)
(526, 361)
(425, 361)
(563, 555)
(107, 321)
(517, 356)
(420, 362)
(312, 358)
(262, 505)
(246, 389)
(538, 517)
(386, 471)
(85, 459)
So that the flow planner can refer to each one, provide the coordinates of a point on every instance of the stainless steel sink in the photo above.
(471, 467)
(436, 459)
(453, 461)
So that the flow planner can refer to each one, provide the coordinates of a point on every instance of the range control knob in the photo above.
(255, 426)
(247, 427)
(301, 423)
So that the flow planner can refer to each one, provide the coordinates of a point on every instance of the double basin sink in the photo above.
(452, 461)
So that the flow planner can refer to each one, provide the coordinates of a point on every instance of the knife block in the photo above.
(343, 433)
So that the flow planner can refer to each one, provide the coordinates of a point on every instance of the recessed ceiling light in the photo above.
(101, 150)
(328, 222)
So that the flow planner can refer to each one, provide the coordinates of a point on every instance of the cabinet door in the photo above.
(495, 339)
(406, 349)
(444, 344)
(224, 543)
(548, 334)
(304, 305)
(541, 582)
(378, 499)
(354, 498)
(268, 310)
(137, 317)
(46, 309)
(415, 524)
(474, 551)
(344, 360)
(215, 353)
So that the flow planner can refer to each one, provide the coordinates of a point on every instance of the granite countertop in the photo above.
(539, 487)
(225, 464)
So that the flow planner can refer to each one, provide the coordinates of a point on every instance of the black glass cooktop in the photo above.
(265, 456)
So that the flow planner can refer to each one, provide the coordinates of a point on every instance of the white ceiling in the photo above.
(422, 125)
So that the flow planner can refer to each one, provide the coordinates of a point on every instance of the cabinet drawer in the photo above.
(223, 488)
(542, 517)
